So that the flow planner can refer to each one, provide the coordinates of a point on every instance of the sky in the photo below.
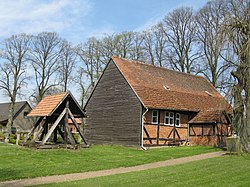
(77, 20)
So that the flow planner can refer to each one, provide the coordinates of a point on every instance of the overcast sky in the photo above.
(77, 20)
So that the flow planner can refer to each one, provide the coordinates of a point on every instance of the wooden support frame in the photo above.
(56, 122)
(53, 127)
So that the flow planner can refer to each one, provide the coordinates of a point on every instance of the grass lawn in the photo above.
(221, 171)
(19, 162)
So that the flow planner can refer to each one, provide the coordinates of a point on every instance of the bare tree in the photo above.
(149, 46)
(155, 42)
(83, 86)
(67, 64)
(137, 52)
(45, 57)
(238, 30)
(12, 73)
(124, 44)
(89, 54)
(160, 45)
(108, 47)
(180, 31)
(213, 41)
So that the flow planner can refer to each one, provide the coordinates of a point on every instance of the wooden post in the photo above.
(53, 127)
(33, 129)
(77, 127)
(174, 126)
(17, 138)
(70, 135)
(37, 134)
(66, 122)
(61, 133)
(45, 130)
(55, 134)
(158, 128)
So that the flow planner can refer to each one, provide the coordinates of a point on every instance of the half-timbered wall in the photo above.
(161, 134)
(209, 134)
(113, 111)
(199, 134)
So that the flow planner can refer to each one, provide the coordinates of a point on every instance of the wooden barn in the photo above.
(142, 105)
(21, 122)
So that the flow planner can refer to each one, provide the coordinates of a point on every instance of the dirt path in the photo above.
(93, 174)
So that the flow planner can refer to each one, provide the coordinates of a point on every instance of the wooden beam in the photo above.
(61, 133)
(45, 130)
(174, 126)
(77, 127)
(55, 134)
(170, 133)
(33, 129)
(37, 134)
(70, 135)
(67, 131)
(177, 134)
(150, 141)
(158, 127)
(53, 127)
(66, 122)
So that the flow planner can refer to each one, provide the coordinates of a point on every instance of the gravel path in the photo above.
(93, 174)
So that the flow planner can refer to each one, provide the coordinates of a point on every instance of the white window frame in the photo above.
(169, 117)
(179, 119)
(157, 120)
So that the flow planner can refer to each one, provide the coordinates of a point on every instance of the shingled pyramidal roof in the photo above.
(160, 88)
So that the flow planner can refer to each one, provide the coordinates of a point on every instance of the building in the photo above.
(72, 126)
(139, 104)
(21, 121)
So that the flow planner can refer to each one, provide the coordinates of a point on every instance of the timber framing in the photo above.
(54, 121)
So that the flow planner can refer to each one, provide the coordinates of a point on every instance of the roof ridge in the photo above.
(15, 102)
(163, 68)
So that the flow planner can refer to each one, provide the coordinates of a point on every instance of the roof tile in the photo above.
(161, 88)
(47, 105)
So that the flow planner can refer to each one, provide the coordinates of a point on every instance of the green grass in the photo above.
(221, 171)
(19, 162)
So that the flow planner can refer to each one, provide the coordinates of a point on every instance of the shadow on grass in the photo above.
(9, 174)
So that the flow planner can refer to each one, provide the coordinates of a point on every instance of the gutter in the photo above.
(142, 129)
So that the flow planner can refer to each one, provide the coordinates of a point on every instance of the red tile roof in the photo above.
(78, 121)
(161, 88)
(210, 116)
(47, 105)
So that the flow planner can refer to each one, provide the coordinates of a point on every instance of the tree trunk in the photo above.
(247, 90)
(10, 122)
(239, 121)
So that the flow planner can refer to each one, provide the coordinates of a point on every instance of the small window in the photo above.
(169, 118)
(155, 117)
(178, 119)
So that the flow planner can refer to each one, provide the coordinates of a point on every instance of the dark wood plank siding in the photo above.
(21, 121)
(113, 111)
